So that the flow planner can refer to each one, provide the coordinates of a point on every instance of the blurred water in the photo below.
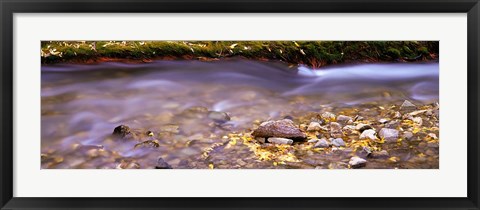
(81, 104)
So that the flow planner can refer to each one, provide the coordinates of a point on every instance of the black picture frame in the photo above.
(10, 7)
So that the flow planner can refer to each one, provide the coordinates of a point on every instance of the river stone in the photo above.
(218, 117)
(383, 120)
(407, 106)
(344, 119)
(357, 162)
(328, 116)
(322, 143)
(162, 164)
(312, 141)
(407, 135)
(361, 127)
(335, 127)
(280, 140)
(370, 134)
(380, 154)
(418, 121)
(390, 135)
(280, 128)
(121, 130)
(314, 126)
(338, 142)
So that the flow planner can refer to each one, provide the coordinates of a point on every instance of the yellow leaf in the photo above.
(210, 165)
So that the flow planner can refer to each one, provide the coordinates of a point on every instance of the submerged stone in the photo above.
(338, 142)
(218, 117)
(121, 130)
(280, 128)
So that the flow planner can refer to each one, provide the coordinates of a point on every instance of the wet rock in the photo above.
(357, 162)
(335, 127)
(390, 135)
(392, 124)
(383, 120)
(280, 140)
(162, 164)
(314, 126)
(338, 142)
(407, 135)
(121, 130)
(380, 155)
(407, 106)
(280, 128)
(361, 127)
(344, 119)
(365, 151)
(328, 116)
(322, 143)
(368, 134)
(218, 117)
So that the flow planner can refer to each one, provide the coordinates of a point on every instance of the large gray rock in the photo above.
(280, 128)
(390, 135)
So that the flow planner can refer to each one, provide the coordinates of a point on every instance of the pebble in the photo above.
(361, 127)
(338, 142)
(383, 120)
(380, 155)
(314, 126)
(390, 135)
(344, 119)
(407, 105)
(397, 115)
(328, 116)
(280, 140)
(357, 162)
(335, 127)
(407, 135)
(280, 128)
(322, 143)
(432, 136)
(370, 134)
(312, 141)
(162, 164)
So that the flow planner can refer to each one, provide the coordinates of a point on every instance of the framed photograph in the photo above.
(239, 104)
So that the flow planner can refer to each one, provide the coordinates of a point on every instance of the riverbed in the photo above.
(194, 114)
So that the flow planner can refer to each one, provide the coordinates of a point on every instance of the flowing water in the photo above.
(82, 104)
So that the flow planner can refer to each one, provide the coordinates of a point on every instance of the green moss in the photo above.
(313, 53)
